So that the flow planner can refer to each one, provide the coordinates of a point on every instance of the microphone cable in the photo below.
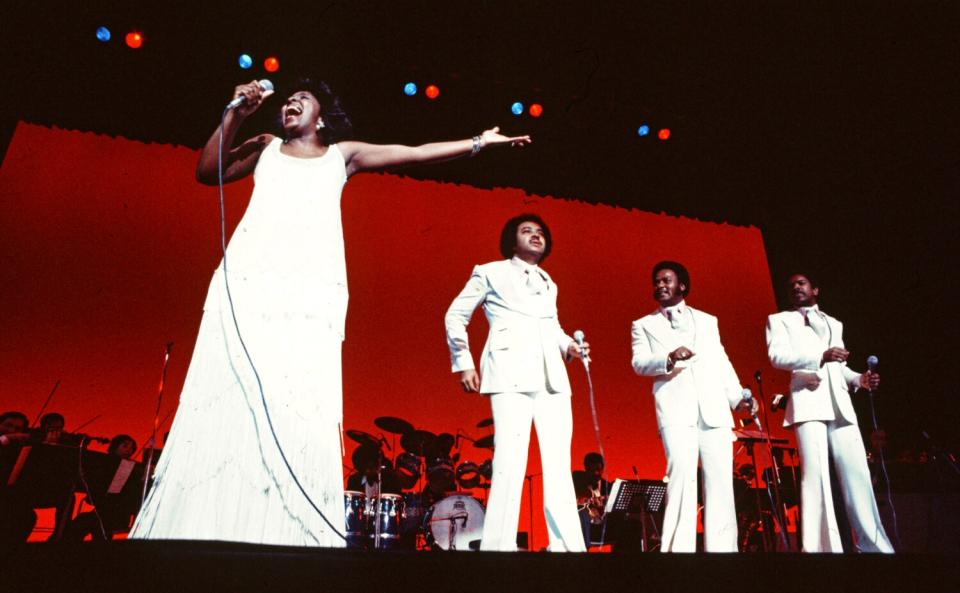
(883, 468)
(236, 325)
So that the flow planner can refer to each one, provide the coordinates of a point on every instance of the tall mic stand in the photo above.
(156, 425)
(779, 512)
(379, 500)
(578, 336)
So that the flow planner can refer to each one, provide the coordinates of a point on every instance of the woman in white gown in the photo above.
(221, 475)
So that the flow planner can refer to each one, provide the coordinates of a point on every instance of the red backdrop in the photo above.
(109, 245)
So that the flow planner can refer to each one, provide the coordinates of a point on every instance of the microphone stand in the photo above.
(529, 480)
(596, 432)
(156, 425)
(378, 502)
(779, 513)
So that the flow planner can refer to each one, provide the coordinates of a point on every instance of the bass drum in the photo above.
(454, 523)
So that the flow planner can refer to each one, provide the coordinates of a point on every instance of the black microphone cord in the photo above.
(236, 325)
(883, 468)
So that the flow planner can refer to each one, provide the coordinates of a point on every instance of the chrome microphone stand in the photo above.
(779, 511)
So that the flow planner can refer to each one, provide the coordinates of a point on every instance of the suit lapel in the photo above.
(660, 329)
(504, 283)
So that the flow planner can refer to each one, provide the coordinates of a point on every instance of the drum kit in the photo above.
(436, 508)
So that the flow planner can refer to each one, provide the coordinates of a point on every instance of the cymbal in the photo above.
(485, 423)
(484, 442)
(364, 438)
(393, 424)
(416, 441)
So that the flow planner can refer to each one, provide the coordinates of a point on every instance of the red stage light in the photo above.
(432, 91)
(536, 110)
(134, 40)
(663, 134)
(271, 64)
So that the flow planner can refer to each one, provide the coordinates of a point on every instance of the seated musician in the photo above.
(366, 459)
(13, 429)
(592, 492)
(113, 511)
(16, 517)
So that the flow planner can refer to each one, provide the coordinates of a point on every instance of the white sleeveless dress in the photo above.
(221, 476)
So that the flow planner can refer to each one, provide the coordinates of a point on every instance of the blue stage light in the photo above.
(517, 108)
(103, 34)
(410, 89)
(245, 61)
(643, 130)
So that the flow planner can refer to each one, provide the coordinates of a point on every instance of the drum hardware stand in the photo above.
(529, 480)
(378, 501)
(779, 511)
(156, 425)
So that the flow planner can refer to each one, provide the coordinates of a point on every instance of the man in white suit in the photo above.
(695, 388)
(522, 368)
(809, 344)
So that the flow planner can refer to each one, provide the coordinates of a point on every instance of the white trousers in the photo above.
(714, 447)
(512, 416)
(818, 443)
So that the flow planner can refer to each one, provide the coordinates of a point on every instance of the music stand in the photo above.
(631, 496)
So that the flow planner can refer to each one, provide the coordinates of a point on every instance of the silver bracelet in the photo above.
(477, 144)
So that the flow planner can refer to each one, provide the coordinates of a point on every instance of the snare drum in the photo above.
(355, 513)
(391, 516)
(454, 522)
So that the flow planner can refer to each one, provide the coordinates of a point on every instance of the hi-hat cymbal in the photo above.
(364, 438)
(485, 423)
(416, 441)
(484, 442)
(393, 424)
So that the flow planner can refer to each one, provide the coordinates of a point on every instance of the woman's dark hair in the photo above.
(13, 414)
(118, 440)
(683, 276)
(337, 124)
(508, 236)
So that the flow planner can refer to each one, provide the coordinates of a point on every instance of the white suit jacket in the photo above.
(794, 346)
(706, 385)
(525, 335)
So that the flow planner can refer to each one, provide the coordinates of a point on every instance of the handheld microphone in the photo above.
(872, 363)
(265, 85)
(578, 338)
(747, 396)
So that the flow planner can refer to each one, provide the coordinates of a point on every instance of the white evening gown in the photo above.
(221, 476)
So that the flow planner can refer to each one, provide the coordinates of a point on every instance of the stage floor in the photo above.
(179, 567)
